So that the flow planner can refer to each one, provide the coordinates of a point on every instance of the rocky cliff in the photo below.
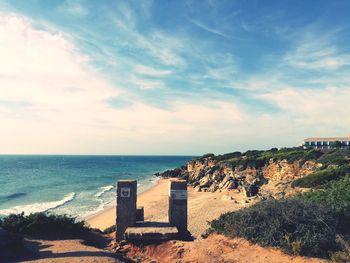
(245, 173)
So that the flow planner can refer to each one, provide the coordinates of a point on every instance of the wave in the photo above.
(38, 207)
(12, 196)
(103, 190)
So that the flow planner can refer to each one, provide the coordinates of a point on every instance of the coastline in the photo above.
(111, 204)
(155, 203)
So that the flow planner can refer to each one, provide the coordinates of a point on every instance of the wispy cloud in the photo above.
(144, 70)
(74, 8)
(208, 28)
(318, 51)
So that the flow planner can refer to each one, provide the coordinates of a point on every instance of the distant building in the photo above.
(327, 142)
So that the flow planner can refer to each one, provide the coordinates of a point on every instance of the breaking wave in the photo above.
(103, 190)
(38, 207)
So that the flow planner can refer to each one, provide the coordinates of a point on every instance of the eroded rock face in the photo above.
(282, 170)
(208, 174)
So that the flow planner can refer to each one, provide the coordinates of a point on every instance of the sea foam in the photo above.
(38, 207)
(103, 190)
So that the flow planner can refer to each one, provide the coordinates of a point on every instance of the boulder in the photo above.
(213, 188)
(225, 180)
(205, 181)
(231, 184)
(250, 190)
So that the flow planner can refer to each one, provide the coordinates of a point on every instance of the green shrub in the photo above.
(322, 177)
(335, 195)
(294, 225)
(228, 156)
(109, 230)
(335, 157)
(42, 224)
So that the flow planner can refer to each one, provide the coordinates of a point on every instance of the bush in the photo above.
(335, 157)
(322, 177)
(109, 230)
(335, 195)
(294, 225)
(42, 224)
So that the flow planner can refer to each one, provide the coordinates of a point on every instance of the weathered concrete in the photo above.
(178, 205)
(150, 232)
(140, 214)
(126, 206)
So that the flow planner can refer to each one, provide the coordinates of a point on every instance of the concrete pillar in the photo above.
(126, 206)
(140, 214)
(178, 205)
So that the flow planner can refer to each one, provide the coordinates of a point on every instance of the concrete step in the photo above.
(150, 232)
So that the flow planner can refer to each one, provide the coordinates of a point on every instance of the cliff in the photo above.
(255, 173)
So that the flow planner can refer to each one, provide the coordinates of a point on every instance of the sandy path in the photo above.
(49, 251)
(202, 207)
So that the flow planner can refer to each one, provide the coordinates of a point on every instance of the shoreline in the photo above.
(110, 205)
(95, 219)
(155, 202)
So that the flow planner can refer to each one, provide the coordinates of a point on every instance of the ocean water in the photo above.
(75, 185)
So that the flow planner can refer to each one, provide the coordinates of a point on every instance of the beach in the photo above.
(202, 207)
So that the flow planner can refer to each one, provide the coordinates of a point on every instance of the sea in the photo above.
(78, 186)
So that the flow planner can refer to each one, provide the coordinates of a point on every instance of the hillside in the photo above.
(299, 199)
(256, 172)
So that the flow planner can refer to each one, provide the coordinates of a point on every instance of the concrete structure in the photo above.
(327, 142)
(151, 232)
(126, 206)
(130, 223)
(178, 205)
(140, 214)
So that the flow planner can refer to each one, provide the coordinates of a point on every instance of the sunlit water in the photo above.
(76, 185)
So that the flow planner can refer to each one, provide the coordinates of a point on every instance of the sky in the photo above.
(171, 77)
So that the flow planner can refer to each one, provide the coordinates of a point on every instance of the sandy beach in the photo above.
(202, 207)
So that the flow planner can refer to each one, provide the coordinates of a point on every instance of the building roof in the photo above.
(333, 139)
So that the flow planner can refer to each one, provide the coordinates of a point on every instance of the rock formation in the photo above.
(209, 174)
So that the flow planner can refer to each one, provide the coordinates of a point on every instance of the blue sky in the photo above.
(171, 77)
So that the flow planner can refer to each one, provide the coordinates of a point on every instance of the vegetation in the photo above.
(322, 177)
(294, 225)
(109, 230)
(308, 224)
(335, 157)
(43, 224)
(336, 195)
(258, 159)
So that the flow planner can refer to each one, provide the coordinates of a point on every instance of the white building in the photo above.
(327, 142)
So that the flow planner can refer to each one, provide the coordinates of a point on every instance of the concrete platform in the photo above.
(150, 232)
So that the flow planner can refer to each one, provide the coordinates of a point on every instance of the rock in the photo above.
(250, 190)
(226, 198)
(232, 184)
(197, 188)
(213, 188)
(225, 180)
(205, 181)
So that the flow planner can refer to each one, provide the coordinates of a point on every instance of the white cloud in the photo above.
(52, 101)
(74, 8)
(144, 70)
(314, 108)
(146, 84)
(317, 52)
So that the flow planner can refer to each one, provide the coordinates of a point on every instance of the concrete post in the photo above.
(140, 214)
(178, 205)
(126, 206)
